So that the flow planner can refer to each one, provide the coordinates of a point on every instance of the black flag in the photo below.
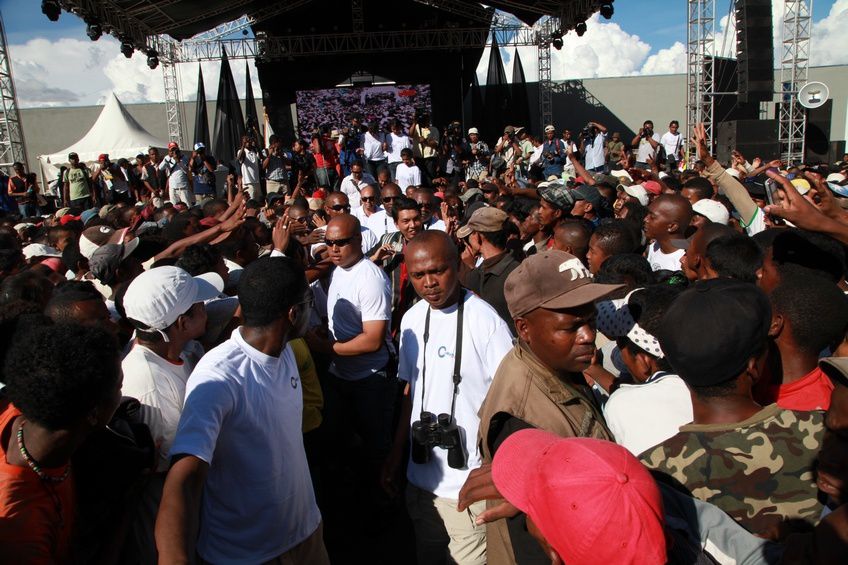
(229, 122)
(201, 120)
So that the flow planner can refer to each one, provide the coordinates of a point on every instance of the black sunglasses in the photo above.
(339, 242)
(389, 198)
(368, 198)
(340, 207)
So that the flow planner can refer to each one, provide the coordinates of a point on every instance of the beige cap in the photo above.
(551, 279)
(485, 219)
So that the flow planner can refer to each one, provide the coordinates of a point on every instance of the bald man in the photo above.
(430, 329)
(359, 310)
(668, 218)
(572, 236)
(336, 205)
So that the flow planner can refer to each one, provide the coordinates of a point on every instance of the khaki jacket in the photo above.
(525, 388)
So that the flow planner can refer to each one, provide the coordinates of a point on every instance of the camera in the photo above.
(421, 113)
(647, 132)
(588, 131)
(430, 431)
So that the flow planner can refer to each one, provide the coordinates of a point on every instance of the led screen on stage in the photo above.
(333, 107)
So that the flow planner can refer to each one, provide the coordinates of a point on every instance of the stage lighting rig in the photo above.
(580, 29)
(51, 9)
(607, 10)
(93, 29)
(152, 59)
(127, 48)
(557, 43)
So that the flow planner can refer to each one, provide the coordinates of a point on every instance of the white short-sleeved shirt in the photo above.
(435, 223)
(406, 176)
(242, 415)
(595, 152)
(381, 223)
(660, 260)
(397, 143)
(249, 166)
(372, 147)
(671, 142)
(351, 187)
(357, 295)
(176, 170)
(486, 339)
(159, 386)
(645, 150)
(643, 415)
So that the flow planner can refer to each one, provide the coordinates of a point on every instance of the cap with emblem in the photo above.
(487, 219)
(97, 236)
(198, 146)
(553, 280)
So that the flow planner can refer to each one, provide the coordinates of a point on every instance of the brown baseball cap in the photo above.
(554, 280)
(485, 219)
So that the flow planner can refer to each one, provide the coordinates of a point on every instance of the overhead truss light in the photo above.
(152, 58)
(607, 10)
(51, 9)
(127, 48)
(93, 29)
(580, 29)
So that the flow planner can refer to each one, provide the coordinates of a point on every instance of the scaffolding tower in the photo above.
(543, 50)
(794, 63)
(12, 146)
(700, 75)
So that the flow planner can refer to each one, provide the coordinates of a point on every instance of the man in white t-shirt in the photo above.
(165, 305)
(178, 171)
(359, 311)
(240, 475)
(594, 147)
(427, 204)
(354, 182)
(381, 222)
(649, 412)
(370, 199)
(646, 142)
(250, 160)
(396, 142)
(668, 217)
(672, 143)
(429, 352)
(407, 173)
(373, 149)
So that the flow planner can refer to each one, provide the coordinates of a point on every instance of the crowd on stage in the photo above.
(420, 346)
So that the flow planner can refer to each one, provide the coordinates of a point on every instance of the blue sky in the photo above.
(643, 37)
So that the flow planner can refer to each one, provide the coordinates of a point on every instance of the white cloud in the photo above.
(666, 61)
(829, 38)
(81, 72)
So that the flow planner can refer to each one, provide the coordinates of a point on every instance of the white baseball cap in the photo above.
(473, 130)
(40, 250)
(638, 192)
(549, 128)
(156, 298)
(622, 174)
(836, 177)
(198, 146)
(714, 211)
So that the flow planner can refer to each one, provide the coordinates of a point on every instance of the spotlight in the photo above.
(93, 30)
(51, 9)
(557, 43)
(607, 10)
(152, 59)
(580, 29)
(127, 48)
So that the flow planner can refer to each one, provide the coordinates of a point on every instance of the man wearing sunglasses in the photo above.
(381, 222)
(359, 310)
(354, 183)
(337, 205)
(370, 199)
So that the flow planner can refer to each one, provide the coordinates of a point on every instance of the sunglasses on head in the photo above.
(339, 242)
(340, 207)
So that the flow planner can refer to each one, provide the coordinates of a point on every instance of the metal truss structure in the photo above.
(792, 117)
(700, 76)
(12, 146)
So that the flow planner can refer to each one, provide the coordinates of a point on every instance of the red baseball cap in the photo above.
(592, 500)
(67, 218)
(652, 186)
(172, 145)
(102, 156)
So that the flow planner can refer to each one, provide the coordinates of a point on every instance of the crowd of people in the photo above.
(422, 347)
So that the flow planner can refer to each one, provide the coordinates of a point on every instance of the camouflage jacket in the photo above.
(760, 471)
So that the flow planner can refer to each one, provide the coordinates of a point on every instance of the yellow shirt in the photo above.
(313, 398)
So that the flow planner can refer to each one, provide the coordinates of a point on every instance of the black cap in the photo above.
(713, 328)
(756, 187)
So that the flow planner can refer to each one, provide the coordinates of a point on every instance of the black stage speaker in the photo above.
(817, 144)
(727, 106)
(752, 138)
(755, 50)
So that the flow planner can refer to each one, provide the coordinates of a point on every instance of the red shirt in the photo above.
(31, 527)
(811, 392)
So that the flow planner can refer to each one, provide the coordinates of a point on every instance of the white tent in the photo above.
(115, 132)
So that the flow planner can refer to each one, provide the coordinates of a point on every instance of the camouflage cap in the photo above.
(558, 195)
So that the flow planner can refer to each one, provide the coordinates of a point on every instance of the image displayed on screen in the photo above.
(333, 107)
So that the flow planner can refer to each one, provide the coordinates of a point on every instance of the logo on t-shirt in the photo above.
(443, 352)
(294, 382)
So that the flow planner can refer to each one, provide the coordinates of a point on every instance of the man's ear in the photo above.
(673, 227)
(521, 329)
(777, 325)
(643, 363)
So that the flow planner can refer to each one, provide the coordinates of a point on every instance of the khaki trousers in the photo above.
(443, 535)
